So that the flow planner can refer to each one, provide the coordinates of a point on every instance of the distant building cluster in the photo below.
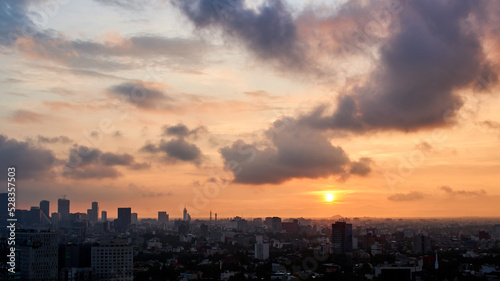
(69, 246)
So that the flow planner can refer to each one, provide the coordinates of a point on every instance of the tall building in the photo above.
(162, 217)
(38, 255)
(341, 237)
(104, 216)
(45, 207)
(112, 261)
(210, 215)
(94, 217)
(185, 214)
(63, 209)
(124, 219)
(134, 218)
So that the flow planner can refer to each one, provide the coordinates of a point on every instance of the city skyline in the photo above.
(262, 108)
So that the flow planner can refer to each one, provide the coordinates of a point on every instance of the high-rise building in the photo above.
(341, 237)
(45, 207)
(134, 218)
(210, 215)
(94, 214)
(162, 217)
(185, 214)
(113, 260)
(35, 216)
(38, 255)
(124, 219)
(63, 209)
(104, 216)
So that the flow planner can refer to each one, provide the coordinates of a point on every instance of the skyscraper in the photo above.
(124, 219)
(104, 216)
(95, 212)
(45, 207)
(63, 209)
(185, 214)
(341, 237)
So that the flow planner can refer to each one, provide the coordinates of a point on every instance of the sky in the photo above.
(253, 108)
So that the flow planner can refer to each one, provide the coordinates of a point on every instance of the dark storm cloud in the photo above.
(295, 151)
(31, 162)
(140, 94)
(269, 31)
(421, 67)
(448, 190)
(410, 196)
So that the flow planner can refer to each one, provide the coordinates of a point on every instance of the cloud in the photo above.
(31, 162)
(51, 140)
(181, 130)
(141, 190)
(361, 167)
(489, 124)
(26, 116)
(260, 95)
(93, 172)
(410, 196)
(91, 163)
(448, 190)
(268, 31)
(423, 64)
(141, 94)
(176, 149)
(111, 159)
(293, 151)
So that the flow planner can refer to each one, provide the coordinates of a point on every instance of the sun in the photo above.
(329, 197)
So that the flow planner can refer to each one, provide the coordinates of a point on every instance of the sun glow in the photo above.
(329, 197)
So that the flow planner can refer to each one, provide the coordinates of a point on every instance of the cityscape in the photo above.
(290, 140)
(90, 246)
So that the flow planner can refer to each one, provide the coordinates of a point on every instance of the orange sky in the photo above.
(170, 105)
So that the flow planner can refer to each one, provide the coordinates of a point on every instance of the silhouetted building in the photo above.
(93, 213)
(35, 216)
(63, 210)
(124, 219)
(341, 237)
(276, 224)
(104, 216)
(290, 227)
(134, 218)
(45, 207)
(162, 217)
